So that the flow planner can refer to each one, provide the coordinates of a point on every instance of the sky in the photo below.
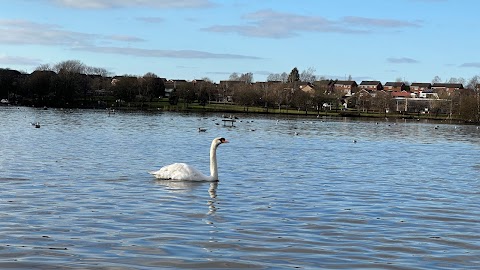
(411, 40)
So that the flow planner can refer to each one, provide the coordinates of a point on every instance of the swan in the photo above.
(182, 171)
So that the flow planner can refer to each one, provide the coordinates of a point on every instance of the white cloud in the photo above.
(164, 53)
(26, 32)
(272, 24)
(22, 32)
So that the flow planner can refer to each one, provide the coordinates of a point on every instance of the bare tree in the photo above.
(73, 66)
(308, 75)
(44, 67)
(436, 79)
(472, 83)
(246, 77)
(277, 77)
(234, 77)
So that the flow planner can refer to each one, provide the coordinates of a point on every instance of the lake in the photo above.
(294, 193)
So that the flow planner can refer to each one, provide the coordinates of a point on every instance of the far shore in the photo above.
(228, 109)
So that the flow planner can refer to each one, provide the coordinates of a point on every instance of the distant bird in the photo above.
(202, 129)
(354, 141)
(296, 133)
(37, 125)
(436, 127)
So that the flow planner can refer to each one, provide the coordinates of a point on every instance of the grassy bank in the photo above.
(164, 105)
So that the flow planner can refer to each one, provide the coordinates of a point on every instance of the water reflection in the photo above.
(189, 186)
(179, 186)
(213, 198)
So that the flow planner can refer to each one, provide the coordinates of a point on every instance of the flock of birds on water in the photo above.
(186, 172)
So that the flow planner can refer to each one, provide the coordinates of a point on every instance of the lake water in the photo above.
(75, 193)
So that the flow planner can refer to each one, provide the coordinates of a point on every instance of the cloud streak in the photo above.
(272, 24)
(17, 60)
(401, 60)
(108, 4)
(164, 53)
(21, 32)
(471, 64)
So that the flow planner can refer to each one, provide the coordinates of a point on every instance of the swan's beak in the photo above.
(225, 141)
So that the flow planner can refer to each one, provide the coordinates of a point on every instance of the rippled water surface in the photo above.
(75, 193)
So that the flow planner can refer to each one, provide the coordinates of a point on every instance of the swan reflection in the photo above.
(179, 186)
(213, 198)
(189, 186)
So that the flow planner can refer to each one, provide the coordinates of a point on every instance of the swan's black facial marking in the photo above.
(222, 140)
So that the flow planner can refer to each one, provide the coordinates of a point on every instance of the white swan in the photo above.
(182, 171)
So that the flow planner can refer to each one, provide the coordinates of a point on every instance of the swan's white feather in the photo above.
(180, 171)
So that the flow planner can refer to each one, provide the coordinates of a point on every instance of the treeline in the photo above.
(73, 84)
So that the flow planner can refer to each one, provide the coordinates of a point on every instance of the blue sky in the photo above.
(191, 39)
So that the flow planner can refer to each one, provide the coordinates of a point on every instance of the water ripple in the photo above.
(76, 195)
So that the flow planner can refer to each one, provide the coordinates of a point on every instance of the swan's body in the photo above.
(182, 171)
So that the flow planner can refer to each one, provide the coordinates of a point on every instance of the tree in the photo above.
(126, 88)
(44, 67)
(273, 77)
(186, 92)
(382, 101)
(436, 79)
(472, 83)
(8, 82)
(302, 100)
(39, 84)
(469, 110)
(294, 76)
(246, 77)
(247, 96)
(277, 77)
(308, 75)
(234, 77)
(152, 86)
(72, 66)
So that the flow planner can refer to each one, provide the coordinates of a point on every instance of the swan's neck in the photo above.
(213, 162)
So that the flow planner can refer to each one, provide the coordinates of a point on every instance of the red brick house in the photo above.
(346, 88)
(326, 85)
(371, 85)
(448, 87)
(420, 87)
(401, 94)
(395, 86)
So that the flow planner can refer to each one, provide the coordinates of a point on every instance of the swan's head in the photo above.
(218, 141)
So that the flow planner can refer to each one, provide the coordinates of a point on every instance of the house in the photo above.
(371, 85)
(448, 87)
(420, 87)
(327, 86)
(428, 94)
(401, 94)
(395, 86)
(346, 88)
(307, 88)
